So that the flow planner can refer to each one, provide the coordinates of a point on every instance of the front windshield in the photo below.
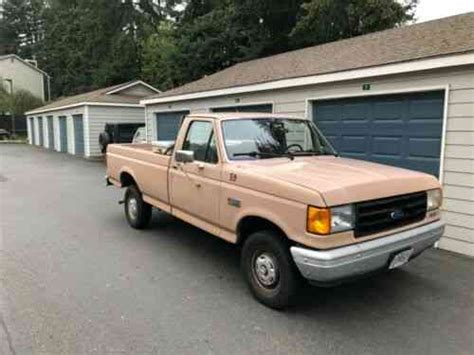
(272, 137)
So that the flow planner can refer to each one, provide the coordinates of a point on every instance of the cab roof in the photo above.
(223, 116)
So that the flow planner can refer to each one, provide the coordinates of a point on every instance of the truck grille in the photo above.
(387, 213)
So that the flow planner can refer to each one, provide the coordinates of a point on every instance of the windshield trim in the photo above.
(311, 125)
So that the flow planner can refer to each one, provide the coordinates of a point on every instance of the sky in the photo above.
(434, 9)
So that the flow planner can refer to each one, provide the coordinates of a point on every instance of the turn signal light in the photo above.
(318, 220)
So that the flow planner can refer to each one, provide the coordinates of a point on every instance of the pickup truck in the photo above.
(274, 186)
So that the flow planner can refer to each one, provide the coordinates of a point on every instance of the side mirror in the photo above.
(184, 156)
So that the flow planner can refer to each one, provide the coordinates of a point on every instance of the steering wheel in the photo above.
(294, 145)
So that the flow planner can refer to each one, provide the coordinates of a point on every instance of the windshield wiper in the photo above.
(255, 154)
(313, 152)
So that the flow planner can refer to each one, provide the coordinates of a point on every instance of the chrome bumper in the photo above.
(335, 265)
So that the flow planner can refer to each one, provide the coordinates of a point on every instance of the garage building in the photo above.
(73, 124)
(403, 97)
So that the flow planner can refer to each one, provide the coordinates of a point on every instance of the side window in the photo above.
(200, 139)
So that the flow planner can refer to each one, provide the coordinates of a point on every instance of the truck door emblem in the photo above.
(232, 176)
(397, 214)
(233, 202)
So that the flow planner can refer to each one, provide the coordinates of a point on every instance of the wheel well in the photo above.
(252, 224)
(126, 180)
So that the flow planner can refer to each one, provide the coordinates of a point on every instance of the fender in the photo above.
(129, 171)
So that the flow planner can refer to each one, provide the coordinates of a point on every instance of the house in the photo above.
(73, 124)
(403, 96)
(20, 74)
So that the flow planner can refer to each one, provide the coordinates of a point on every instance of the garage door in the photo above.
(32, 127)
(78, 124)
(40, 131)
(167, 124)
(400, 130)
(246, 108)
(50, 132)
(62, 134)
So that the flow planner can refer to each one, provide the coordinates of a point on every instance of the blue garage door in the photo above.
(246, 108)
(40, 131)
(401, 130)
(167, 124)
(62, 134)
(50, 132)
(78, 134)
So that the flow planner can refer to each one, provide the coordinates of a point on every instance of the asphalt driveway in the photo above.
(74, 278)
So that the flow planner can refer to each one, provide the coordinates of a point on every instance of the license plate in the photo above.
(400, 259)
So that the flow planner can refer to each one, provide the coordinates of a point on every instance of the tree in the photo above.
(15, 105)
(159, 57)
(21, 27)
(323, 21)
(19, 102)
(268, 24)
(212, 35)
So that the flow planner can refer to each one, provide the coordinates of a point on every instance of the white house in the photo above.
(73, 124)
(403, 96)
(19, 74)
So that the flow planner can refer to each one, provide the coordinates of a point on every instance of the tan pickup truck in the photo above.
(273, 185)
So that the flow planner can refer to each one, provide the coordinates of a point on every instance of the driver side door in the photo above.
(195, 187)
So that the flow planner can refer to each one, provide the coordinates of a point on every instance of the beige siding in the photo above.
(458, 192)
(460, 124)
(462, 96)
(460, 138)
(24, 77)
(138, 90)
(98, 116)
(458, 164)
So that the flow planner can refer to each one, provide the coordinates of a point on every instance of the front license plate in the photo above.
(400, 259)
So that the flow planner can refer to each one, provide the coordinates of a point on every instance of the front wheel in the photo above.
(269, 269)
(137, 211)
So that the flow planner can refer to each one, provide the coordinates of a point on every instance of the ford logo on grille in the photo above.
(397, 214)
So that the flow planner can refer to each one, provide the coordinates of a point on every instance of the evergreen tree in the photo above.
(330, 20)
(21, 27)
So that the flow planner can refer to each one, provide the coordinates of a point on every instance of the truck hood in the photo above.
(341, 180)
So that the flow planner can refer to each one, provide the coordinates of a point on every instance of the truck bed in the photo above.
(141, 162)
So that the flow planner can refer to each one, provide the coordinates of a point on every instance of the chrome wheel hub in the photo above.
(265, 270)
(133, 208)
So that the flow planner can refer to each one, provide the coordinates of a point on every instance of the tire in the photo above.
(278, 280)
(104, 141)
(137, 212)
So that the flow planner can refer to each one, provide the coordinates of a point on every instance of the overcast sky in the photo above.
(433, 9)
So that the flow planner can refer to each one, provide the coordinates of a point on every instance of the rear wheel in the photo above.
(137, 211)
(269, 270)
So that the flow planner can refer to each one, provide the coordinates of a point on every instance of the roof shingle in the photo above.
(429, 39)
(99, 96)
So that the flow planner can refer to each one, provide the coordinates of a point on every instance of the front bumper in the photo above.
(336, 265)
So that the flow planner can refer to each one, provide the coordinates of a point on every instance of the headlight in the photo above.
(330, 220)
(435, 197)
(342, 218)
